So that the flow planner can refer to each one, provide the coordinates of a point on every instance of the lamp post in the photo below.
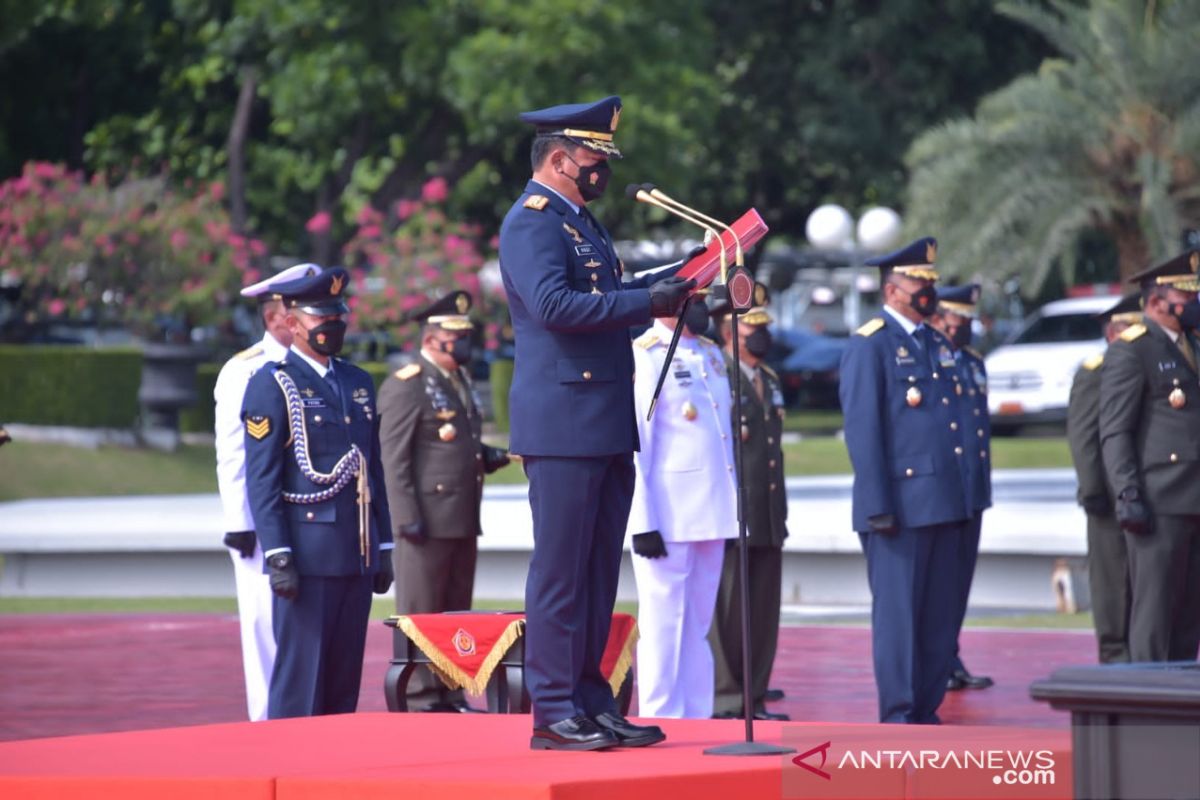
(830, 227)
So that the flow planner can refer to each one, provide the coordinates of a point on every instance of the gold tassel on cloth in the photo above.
(624, 663)
(450, 673)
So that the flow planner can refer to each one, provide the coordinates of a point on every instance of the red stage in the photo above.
(443, 756)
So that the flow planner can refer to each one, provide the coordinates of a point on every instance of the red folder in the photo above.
(705, 267)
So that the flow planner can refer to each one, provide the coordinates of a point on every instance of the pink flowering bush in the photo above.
(132, 254)
(410, 256)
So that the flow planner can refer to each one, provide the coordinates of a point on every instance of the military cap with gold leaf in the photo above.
(959, 299)
(589, 124)
(1179, 272)
(915, 260)
(719, 306)
(448, 312)
(322, 294)
(1127, 310)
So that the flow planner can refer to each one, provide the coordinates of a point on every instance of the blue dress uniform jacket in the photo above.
(572, 389)
(901, 445)
(976, 427)
(322, 536)
(321, 633)
(901, 416)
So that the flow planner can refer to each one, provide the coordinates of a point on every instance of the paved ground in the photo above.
(73, 674)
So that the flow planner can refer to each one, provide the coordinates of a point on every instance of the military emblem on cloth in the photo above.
(258, 427)
(464, 643)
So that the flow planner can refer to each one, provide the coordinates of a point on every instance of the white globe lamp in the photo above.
(878, 229)
(830, 227)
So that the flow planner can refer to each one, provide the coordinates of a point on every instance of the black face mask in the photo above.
(923, 300)
(961, 336)
(1188, 314)
(695, 319)
(592, 181)
(758, 344)
(459, 349)
(326, 339)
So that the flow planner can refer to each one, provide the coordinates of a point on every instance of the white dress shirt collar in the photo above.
(317, 366)
(906, 323)
(574, 207)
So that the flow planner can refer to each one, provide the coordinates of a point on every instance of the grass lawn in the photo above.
(53, 470)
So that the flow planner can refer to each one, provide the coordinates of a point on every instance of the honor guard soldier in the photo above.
(678, 543)
(572, 418)
(434, 460)
(1108, 563)
(909, 498)
(760, 429)
(1150, 435)
(317, 494)
(955, 311)
(253, 592)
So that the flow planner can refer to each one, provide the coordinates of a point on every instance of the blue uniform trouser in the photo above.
(914, 581)
(968, 553)
(580, 510)
(320, 636)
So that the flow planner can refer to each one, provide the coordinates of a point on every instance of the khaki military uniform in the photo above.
(1150, 433)
(433, 461)
(765, 512)
(1108, 564)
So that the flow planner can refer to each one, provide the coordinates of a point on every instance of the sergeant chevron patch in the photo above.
(258, 427)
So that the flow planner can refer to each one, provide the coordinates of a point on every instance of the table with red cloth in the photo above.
(483, 653)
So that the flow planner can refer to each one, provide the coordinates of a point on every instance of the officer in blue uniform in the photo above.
(316, 490)
(956, 309)
(572, 418)
(909, 499)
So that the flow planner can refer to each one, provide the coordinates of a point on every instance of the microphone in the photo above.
(739, 283)
(642, 195)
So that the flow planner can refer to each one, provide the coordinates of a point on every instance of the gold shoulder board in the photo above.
(707, 340)
(408, 372)
(871, 327)
(1132, 332)
(646, 340)
(769, 371)
(536, 201)
(250, 352)
(1094, 361)
(974, 352)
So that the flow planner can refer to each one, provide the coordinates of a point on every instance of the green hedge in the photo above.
(64, 385)
(501, 379)
(200, 418)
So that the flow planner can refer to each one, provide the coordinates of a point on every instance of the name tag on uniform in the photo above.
(584, 249)
(314, 402)
(1164, 366)
(905, 361)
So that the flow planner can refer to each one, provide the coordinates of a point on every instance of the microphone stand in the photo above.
(746, 747)
(662, 376)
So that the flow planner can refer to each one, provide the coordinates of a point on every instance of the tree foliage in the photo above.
(1104, 138)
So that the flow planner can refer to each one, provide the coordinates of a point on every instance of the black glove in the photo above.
(414, 532)
(882, 523)
(649, 545)
(667, 296)
(285, 581)
(242, 541)
(386, 574)
(1097, 505)
(494, 458)
(1133, 514)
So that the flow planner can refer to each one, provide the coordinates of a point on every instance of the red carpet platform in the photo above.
(445, 757)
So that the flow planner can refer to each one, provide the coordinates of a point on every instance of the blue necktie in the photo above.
(332, 380)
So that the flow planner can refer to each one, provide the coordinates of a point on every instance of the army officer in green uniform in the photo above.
(1108, 565)
(1150, 438)
(765, 510)
(434, 460)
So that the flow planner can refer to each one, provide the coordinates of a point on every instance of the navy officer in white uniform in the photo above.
(253, 591)
(684, 508)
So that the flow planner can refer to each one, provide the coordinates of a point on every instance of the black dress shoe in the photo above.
(576, 733)
(970, 681)
(772, 695)
(727, 715)
(954, 683)
(763, 714)
(451, 707)
(628, 734)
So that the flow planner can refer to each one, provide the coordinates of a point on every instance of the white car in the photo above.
(1029, 377)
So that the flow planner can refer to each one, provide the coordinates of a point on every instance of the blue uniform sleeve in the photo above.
(863, 395)
(531, 254)
(264, 415)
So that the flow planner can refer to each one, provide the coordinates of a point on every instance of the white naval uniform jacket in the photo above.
(229, 392)
(686, 486)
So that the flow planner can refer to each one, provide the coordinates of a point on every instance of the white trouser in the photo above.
(676, 598)
(258, 637)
